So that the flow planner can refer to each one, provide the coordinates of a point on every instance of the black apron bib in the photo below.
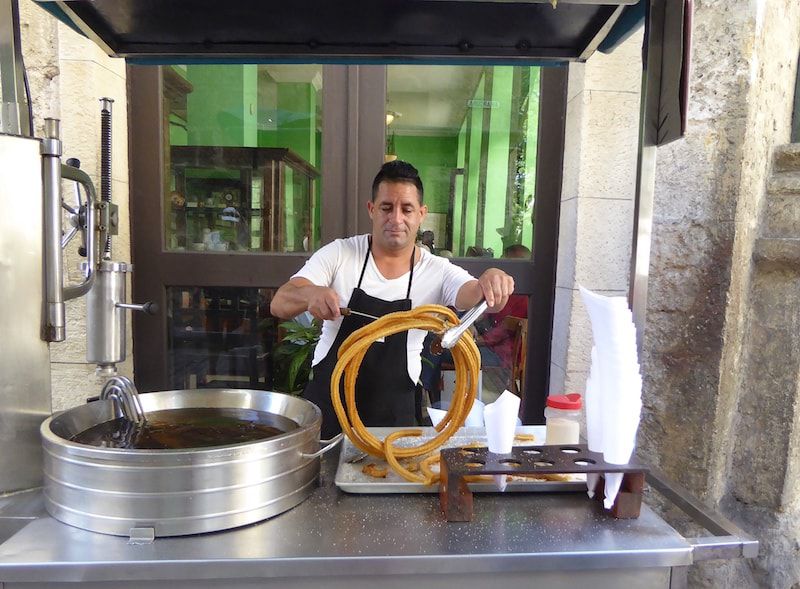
(384, 391)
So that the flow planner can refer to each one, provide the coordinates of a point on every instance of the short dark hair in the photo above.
(517, 250)
(397, 171)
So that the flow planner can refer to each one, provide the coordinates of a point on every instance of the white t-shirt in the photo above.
(338, 265)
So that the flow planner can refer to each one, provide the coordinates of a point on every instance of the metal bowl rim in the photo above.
(94, 451)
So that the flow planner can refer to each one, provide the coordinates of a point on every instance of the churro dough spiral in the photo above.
(466, 358)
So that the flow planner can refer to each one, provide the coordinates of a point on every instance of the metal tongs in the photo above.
(449, 338)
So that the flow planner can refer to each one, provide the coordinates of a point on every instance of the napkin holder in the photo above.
(455, 497)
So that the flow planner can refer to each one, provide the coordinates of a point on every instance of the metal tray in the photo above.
(350, 479)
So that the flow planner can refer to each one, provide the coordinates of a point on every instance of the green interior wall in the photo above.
(456, 245)
(434, 157)
(472, 169)
(297, 116)
(225, 118)
(498, 152)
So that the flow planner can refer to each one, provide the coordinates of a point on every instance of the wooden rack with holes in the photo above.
(456, 463)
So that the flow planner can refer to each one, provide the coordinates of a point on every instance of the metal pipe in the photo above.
(123, 392)
(53, 261)
(105, 163)
(79, 176)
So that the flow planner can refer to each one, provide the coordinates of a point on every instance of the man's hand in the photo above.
(497, 286)
(300, 294)
(323, 302)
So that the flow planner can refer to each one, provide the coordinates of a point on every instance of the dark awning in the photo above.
(344, 31)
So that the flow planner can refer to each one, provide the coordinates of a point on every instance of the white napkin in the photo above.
(500, 419)
(614, 387)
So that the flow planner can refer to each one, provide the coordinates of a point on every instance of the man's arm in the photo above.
(299, 295)
(494, 285)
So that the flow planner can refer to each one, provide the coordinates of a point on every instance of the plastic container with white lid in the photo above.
(563, 418)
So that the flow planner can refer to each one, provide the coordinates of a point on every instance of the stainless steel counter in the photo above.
(338, 540)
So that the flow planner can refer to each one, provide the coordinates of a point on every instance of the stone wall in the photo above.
(705, 391)
(68, 74)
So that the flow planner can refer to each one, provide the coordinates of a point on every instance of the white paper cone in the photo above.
(500, 419)
(613, 482)
(475, 417)
(592, 478)
(436, 415)
(500, 481)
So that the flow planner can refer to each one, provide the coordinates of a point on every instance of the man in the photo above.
(496, 338)
(377, 274)
(427, 240)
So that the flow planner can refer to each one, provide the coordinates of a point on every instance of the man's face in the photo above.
(396, 215)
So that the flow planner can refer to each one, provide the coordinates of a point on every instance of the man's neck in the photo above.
(392, 262)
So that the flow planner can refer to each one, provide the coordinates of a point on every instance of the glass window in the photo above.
(472, 132)
(226, 337)
(243, 158)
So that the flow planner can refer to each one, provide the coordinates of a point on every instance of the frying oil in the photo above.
(196, 427)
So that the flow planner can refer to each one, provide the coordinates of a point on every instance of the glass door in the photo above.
(473, 132)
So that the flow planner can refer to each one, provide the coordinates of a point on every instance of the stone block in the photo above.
(74, 383)
(784, 183)
(777, 252)
(562, 313)
(609, 145)
(573, 146)
(40, 51)
(618, 71)
(576, 73)
(768, 402)
(579, 344)
(558, 378)
(567, 243)
(82, 84)
(787, 158)
(689, 264)
(75, 47)
(575, 382)
(781, 215)
(603, 247)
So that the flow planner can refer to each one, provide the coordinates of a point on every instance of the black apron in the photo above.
(384, 391)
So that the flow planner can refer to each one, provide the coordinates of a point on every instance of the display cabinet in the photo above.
(240, 199)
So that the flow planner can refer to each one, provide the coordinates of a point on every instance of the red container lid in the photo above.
(569, 401)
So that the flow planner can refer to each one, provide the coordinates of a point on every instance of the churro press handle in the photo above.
(450, 337)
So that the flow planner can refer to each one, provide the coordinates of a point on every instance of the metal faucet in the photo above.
(125, 397)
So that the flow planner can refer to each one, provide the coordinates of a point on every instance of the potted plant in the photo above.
(292, 356)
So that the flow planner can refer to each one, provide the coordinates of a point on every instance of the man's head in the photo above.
(396, 207)
(516, 250)
(427, 238)
(397, 171)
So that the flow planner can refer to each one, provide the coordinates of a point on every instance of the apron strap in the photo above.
(411, 272)
(410, 266)
(366, 259)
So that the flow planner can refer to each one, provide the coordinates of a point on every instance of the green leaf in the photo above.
(294, 367)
